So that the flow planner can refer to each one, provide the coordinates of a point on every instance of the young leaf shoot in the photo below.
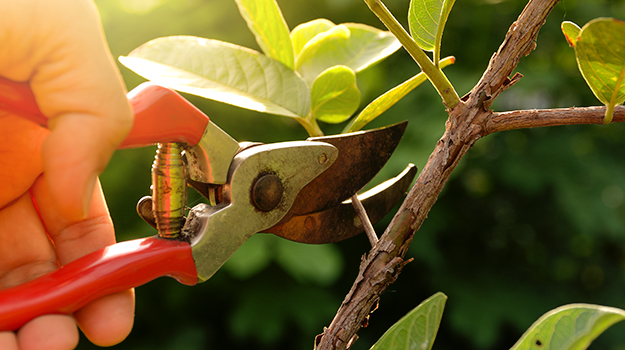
(600, 53)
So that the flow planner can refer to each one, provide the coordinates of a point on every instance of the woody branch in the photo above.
(470, 120)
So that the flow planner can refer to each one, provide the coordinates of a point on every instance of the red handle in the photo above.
(161, 114)
(112, 269)
(18, 98)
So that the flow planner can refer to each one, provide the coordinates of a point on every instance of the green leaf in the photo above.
(251, 258)
(426, 19)
(318, 264)
(302, 34)
(389, 98)
(570, 327)
(265, 20)
(417, 329)
(600, 53)
(571, 32)
(334, 95)
(223, 72)
(354, 45)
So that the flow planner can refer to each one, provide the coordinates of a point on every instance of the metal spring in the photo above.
(169, 190)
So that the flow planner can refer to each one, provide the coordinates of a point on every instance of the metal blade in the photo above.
(342, 222)
(361, 156)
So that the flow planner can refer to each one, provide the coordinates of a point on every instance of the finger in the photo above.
(74, 154)
(76, 84)
(20, 156)
(50, 332)
(106, 321)
(74, 238)
(26, 250)
(27, 253)
(89, 113)
(8, 341)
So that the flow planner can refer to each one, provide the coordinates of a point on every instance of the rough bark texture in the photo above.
(470, 120)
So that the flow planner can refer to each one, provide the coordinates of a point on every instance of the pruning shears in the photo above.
(298, 190)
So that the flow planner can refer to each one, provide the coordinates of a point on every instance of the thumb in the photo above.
(74, 154)
(76, 85)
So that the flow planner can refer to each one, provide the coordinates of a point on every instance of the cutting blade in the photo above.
(361, 156)
(341, 222)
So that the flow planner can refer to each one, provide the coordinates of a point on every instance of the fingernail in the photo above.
(88, 194)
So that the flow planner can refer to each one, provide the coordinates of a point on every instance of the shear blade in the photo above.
(361, 156)
(341, 222)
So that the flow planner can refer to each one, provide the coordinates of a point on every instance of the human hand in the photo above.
(52, 210)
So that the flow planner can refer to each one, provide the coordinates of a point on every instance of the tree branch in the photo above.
(467, 122)
(550, 117)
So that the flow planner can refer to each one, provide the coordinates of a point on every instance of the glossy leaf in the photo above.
(389, 98)
(571, 32)
(334, 95)
(223, 72)
(416, 330)
(426, 19)
(266, 22)
(304, 32)
(600, 53)
(354, 45)
(570, 327)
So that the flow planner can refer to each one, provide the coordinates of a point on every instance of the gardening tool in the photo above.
(297, 190)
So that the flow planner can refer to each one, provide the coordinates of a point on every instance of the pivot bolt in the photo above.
(267, 192)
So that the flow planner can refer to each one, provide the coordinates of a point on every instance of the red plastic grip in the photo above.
(161, 114)
(18, 99)
(112, 269)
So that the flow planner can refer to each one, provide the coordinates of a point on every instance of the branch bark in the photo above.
(550, 117)
(470, 120)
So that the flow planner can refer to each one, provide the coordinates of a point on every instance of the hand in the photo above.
(52, 210)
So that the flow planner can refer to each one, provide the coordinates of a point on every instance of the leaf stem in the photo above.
(609, 114)
(610, 106)
(310, 124)
(437, 77)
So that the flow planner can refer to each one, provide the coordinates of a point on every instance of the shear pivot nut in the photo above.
(267, 192)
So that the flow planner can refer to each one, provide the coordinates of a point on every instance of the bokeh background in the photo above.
(530, 220)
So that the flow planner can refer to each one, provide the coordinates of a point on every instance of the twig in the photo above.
(431, 70)
(364, 219)
(534, 118)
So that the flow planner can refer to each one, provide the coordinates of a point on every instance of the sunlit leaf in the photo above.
(302, 34)
(223, 72)
(334, 95)
(571, 32)
(354, 45)
(600, 52)
(416, 330)
(570, 327)
(426, 19)
(265, 20)
(389, 98)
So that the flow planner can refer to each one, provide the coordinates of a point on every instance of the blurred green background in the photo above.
(530, 220)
